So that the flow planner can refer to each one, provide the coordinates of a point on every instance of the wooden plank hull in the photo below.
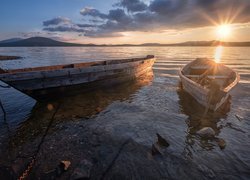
(44, 84)
(203, 94)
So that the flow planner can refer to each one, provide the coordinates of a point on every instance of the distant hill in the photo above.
(46, 42)
(10, 40)
(37, 41)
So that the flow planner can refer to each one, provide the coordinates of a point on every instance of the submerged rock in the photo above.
(221, 143)
(206, 171)
(239, 117)
(206, 132)
(161, 141)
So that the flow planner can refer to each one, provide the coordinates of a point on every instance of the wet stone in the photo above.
(156, 150)
(161, 141)
(221, 143)
(206, 132)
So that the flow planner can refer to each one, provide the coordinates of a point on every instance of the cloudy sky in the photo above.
(125, 21)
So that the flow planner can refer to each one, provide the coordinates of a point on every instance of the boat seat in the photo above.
(209, 76)
(217, 77)
(192, 76)
(200, 67)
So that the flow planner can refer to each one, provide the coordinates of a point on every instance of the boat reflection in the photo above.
(199, 118)
(75, 108)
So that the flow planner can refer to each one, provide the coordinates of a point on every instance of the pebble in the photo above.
(206, 132)
(221, 143)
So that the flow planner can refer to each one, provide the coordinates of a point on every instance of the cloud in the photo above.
(64, 29)
(168, 7)
(86, 25)
(155, 16)
(118, 15)
(88, 11)
(56, 21)
(132, 5)
(97, 34)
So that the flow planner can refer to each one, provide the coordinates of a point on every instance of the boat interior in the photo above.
(76, 65)
(206, 72)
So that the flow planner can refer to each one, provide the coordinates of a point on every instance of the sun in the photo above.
(224, 31)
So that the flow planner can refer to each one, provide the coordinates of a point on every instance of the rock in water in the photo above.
(221, 143)
(161, 141)
(206, 132)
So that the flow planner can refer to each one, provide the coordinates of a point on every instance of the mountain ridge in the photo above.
(47, 42)
(10, 40)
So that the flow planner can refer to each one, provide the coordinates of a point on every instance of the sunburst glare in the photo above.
(224, 31)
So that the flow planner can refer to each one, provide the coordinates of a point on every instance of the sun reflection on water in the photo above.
(218, 53)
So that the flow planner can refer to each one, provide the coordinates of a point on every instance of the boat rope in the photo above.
(1, 104)
(4, 112)
(27, 171)
(115, 158)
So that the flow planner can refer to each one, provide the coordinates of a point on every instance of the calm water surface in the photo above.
(162, 93)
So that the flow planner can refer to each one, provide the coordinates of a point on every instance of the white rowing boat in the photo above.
(208, 82)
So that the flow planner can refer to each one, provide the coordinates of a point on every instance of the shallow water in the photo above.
(161, 93)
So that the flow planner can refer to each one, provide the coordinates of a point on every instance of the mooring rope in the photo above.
(1, 104)
(32, 162)
(115, 158)
(4, 112)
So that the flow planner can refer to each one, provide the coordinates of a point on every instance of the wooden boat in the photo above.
(208, 82)
(42, 83)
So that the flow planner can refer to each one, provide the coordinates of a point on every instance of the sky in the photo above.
(125, 21)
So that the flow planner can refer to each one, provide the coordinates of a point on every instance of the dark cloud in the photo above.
(87, 11)
(97, 34)
(96, 21)
(86, 25)
(157, 16)
(56, 21)
(118, 15)
(168, 7)
(132, 5)
(64, 29)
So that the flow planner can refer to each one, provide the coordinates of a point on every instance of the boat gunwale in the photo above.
(75, 65)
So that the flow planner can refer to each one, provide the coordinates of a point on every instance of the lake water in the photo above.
(161, 93)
